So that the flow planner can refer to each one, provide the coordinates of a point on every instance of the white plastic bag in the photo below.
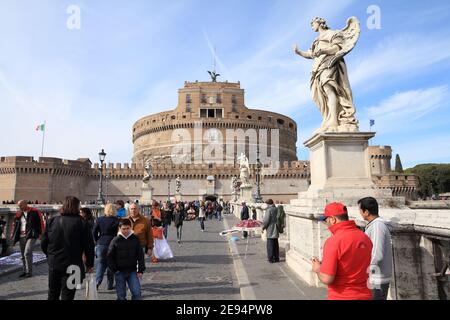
(91, 287)
(161, 249)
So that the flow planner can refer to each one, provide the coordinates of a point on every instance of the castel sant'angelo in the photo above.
(178, 143)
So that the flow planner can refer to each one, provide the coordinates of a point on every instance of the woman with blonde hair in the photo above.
(105, 230)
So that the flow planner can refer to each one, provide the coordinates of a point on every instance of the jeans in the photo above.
(26, 249)
(57, 286)
(273, 250)
(130, 278)
(102, 266)
(381, 292)
(202, 223)
(179, 232)
(219, 215)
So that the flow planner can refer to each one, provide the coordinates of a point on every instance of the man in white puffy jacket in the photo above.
(381, 263)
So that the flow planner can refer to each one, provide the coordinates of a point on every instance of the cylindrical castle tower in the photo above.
(226, 123)
(380, 159)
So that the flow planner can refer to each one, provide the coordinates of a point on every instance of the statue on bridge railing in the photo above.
(330, 87)
(245, 170)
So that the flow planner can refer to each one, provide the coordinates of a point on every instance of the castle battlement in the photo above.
(44, 165)
(197, 171)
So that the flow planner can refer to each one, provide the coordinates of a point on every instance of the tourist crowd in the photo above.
(355, 265)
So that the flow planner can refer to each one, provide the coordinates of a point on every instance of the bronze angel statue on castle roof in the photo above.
(213, 75)
(330, 87)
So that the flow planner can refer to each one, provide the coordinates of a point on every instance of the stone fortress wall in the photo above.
(401, 184)
(46, 180)
(51, 179)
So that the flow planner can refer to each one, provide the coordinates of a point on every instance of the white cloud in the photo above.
(48, 74)
(406, 107)
(397, 57)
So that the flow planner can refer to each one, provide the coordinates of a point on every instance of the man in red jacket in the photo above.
(346, 257)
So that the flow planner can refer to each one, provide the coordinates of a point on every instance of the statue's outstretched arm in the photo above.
(330, 51)
(305, 54)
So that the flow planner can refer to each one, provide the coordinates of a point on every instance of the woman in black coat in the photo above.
(66, 239)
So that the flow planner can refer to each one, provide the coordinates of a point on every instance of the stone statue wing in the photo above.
(350, 35)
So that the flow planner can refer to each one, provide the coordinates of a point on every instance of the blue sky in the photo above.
(129, 58)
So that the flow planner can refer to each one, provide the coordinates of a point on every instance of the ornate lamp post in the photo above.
(258, 198)
(100, 199)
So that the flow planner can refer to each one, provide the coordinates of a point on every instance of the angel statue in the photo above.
(148, 171)
(213, 75)
(244, 167)
(178, 184)
(330, 88)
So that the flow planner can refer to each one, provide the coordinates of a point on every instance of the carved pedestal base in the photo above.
(246, 194)
(146, 195)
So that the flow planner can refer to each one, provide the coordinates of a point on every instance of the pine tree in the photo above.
(398, 164)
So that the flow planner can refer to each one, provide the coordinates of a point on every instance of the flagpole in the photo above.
(43, 139)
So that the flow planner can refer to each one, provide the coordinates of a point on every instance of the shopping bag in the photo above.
(161, 249)
(91, 287)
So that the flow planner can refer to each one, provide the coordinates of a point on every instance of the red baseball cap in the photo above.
(333, 209)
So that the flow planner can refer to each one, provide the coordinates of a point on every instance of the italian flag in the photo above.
(40, 127)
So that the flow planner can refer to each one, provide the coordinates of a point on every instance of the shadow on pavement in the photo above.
(153, 290)
(204, 259)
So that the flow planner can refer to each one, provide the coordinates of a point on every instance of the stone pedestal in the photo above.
(178, 197)
(340, 171)
(146, 194)
(246, 194)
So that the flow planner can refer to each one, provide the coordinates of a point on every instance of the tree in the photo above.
(433, 178)
(398, 164)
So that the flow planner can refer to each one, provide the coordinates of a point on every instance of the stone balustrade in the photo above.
(420, 245)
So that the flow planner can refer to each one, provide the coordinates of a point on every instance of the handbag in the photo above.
(91, 287)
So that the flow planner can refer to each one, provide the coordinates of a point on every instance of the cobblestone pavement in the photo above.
(202, 269)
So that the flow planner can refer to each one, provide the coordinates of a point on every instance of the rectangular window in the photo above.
(233, 99)
(188, 98)
(202, 113)
(204, 98)
(219, 98)
(211, 113)
(188, 108)
(219, 113)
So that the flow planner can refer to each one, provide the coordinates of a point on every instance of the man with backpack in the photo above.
(28, 227)
(270, 224)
